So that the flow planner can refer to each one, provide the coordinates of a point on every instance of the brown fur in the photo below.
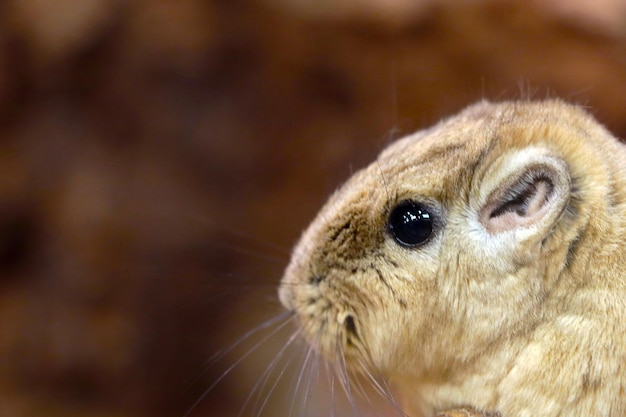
(520, 314)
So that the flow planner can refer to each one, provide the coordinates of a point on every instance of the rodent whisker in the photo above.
(381, 386)
(241, 236)
(305, 364)
(384, 180)
(267, 373)
(225, 289)
(378, 381)
(360, 390)
(279, 321)
(330, 374)
(365, 370)
(305, 377)
(344, 377)
(312, 373)
(250, 252)
(285, 317)
(392, 399)
(245, 280)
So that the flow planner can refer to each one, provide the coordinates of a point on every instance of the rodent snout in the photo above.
(285, 295)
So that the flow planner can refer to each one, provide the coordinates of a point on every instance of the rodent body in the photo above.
(509, 296)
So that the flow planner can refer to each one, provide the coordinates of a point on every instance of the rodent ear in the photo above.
(526, 190)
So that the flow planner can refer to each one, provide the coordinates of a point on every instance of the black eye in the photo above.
(410, 223)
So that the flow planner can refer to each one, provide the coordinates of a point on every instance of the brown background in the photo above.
(158, 158)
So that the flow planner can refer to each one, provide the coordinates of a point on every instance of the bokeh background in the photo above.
(158, 158)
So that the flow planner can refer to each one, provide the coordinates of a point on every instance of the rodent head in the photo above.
(449, 242)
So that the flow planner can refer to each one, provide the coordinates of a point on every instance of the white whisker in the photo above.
(250, 252)
(344, 378)
(242, 357)
(300, 376)
(262, 381)
(279, 376)
(392, 398)
(332, 390)
(360, 390)
(381, 386)
(286, 315)
(313, 368)
(242, 235)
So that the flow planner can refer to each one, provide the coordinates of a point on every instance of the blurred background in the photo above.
(158, 159)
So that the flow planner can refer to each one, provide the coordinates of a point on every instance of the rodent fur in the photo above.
(523, 314)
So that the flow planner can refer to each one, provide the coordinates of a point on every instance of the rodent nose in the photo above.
(285, 295)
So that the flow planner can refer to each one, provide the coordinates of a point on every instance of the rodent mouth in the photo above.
(351, 333)
(350, 338)
(334, 334)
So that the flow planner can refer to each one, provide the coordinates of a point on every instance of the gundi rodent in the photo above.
(478, 263)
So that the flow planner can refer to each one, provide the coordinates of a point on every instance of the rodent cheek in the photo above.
(395, 341)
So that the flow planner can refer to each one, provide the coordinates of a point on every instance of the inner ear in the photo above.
(524, 199)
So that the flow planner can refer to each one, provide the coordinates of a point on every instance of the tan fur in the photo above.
(520, 316)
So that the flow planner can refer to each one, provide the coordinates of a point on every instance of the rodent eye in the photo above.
(410, 223)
